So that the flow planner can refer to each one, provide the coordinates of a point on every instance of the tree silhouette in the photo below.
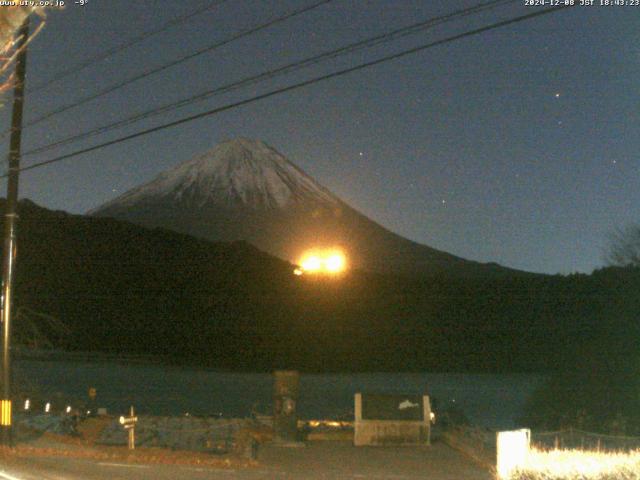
(624, 247)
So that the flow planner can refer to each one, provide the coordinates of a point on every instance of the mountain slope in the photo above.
(236, 173)
(122, 288)
(245, 190)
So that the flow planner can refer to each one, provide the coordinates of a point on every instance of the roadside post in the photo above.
(129, 423)
(286, 386)
(91, 404)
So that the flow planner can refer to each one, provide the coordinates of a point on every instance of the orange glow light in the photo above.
(335, 263)
(323, 261)
(312, 264)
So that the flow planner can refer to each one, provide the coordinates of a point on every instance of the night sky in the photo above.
(517, 146)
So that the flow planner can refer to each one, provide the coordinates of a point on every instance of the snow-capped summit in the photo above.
(237, 172)
(245, 190)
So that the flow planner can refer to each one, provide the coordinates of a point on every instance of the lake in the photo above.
(491, 400)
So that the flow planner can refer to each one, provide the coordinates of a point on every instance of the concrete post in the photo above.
(285, 397)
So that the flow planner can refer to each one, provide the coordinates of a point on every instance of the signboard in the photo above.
(129, 423)
(392, 420)
(512, 451)
(393, 407)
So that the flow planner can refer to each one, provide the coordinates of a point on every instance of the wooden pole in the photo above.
(9, 250)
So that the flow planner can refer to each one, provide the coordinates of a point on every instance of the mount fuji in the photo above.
(246, 190)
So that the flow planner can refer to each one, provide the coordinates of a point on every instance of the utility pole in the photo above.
(10, 217)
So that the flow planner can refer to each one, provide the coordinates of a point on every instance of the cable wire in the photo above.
(133, 41)
(291, 67)
(180, 60)
(299, 85)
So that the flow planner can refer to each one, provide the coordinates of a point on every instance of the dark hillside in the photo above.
(124, 288)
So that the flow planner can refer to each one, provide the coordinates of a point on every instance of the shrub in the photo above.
(579, 465)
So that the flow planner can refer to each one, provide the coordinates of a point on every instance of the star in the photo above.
(361, 154)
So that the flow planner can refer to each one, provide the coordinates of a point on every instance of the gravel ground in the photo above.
(50, 457)
(341, 460)
(314, 461)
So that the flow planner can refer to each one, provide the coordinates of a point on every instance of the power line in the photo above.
(180, 60)
(133, 41)
(299, 85)
(295, 66)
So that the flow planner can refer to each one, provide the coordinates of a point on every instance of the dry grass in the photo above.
(91, 428)
(580, 465)
(55, 445)
(121, 454)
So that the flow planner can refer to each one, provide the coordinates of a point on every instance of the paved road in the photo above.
(315, 461)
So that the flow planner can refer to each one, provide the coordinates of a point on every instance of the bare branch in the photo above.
(624, 247)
